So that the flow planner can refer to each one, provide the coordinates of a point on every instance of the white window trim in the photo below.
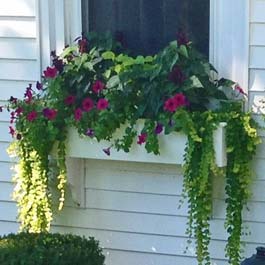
(229, 33)
(229, 39)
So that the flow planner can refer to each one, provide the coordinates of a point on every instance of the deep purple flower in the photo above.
(176, 75)
(90, 132)
(19, 136)
(106, 151)
(28, 94)
(39, 85)
(158, 128)
(50, 114)
(1, 108)
(182, 38)
(83, 45)
(13, 100)
(58, 64)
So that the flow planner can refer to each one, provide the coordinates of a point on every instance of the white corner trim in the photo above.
(73, 20)
(229, 39)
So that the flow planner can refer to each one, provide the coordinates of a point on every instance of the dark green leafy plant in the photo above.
(97, 89)
(52, 249)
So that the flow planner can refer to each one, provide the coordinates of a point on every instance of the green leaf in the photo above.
(183, 51)
(196, 82)
(113, 81)
(108, 55)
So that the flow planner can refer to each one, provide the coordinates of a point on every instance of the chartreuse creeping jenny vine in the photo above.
(96, 87)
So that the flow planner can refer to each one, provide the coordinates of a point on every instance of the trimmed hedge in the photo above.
(49, 249)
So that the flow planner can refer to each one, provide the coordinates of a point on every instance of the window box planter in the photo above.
(172, 148)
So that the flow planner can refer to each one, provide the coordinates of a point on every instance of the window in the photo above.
(148, 25)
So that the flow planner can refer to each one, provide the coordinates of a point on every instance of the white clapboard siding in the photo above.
(257, 79)
(256, 38)
(16, 48)
(20, 8)
(20, 65)
(257, 55)
(257, 13)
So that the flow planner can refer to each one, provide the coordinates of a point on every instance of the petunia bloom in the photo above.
(158, 128)
(87, 104)
(78, 114)
(98, 86)
(180, 100)
(39, 85)
(83, 45)
(102, 104)
(70, 100)
(11, 131)
(182, 38)
(240, 90)
(50, 114)
(50, 72)
(32, 116)
(90, 132)
(170, 105)
(142, 138)
(1, 108)
(106, 151)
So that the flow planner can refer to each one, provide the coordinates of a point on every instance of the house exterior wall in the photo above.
(132, 208)
(19, 66)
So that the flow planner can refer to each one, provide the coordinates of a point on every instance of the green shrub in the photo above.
(49, 249)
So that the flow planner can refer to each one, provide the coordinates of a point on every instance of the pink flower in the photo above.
(170, 105)
(70, 100)
(83, 45)
(32, 116)
(87, 104)
(78, 114)
(50, 72)
(102, 104)
(50, 114)
(11, 131)
(18, 111)
(98, 86)
(28, 94)
(180, 100)
(142, 138)
(240, 90)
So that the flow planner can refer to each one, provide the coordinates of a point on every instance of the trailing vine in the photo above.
(95, 88)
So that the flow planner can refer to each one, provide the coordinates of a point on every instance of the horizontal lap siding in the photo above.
(20, 65)
(133, 209)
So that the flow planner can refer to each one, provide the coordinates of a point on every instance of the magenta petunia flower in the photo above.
(50, 72)
(180, 100)
(69, 100)
(176, 75)
(98, 86)
(170, 105)
(11, 131)
(78, 114)
(83, 45)
(32, 116)
(87, 104)
(142, 138)
(28, 94)
(19, 110)
(158, 128)
(13, 100)
(102, 104)
(240, 90)
(50, 114)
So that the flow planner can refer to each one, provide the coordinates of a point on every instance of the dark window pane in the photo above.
(148, 25)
